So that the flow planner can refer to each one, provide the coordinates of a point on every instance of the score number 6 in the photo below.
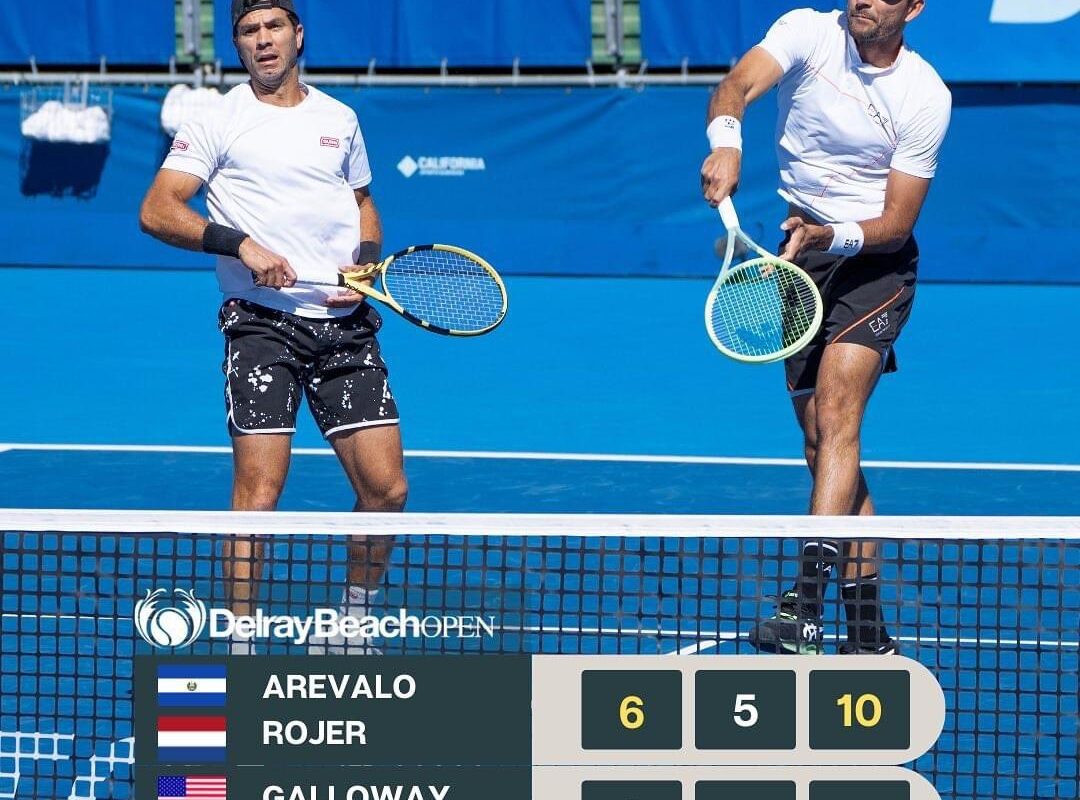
(632, 712)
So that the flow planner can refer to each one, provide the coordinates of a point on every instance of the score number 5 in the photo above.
(746, 713)
(865, 701)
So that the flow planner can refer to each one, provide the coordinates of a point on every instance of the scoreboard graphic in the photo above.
(542, 726)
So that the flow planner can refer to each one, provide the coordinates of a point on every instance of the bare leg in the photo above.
(831, 439)
(846, 377)
(260, 464)
(805, 412)
(819, 558)
(372, 459)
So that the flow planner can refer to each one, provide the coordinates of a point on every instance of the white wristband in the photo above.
(847, 239)
(724, 132)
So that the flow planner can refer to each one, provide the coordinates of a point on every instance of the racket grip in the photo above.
(728, 215)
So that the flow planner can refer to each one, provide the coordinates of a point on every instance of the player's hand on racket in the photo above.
(803, 236)
(720, 174)
(762, 309)
(347, 297)
(268, 268)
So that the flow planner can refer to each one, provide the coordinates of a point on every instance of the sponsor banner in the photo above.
(178, 622)
(583, 182)
(1000, 41)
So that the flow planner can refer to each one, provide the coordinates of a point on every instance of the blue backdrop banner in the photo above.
(82, 31)
(348, 34)
(966, 40)
(581, 181)
(1000, 40)
(710, 33)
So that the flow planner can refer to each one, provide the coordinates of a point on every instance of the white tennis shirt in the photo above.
(844, 124)
(284, 176)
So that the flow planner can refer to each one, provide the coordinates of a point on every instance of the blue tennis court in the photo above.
(597, 394)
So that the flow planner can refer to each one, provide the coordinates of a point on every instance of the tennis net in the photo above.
(991, 607)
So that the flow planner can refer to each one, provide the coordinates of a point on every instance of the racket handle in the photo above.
(728, 215)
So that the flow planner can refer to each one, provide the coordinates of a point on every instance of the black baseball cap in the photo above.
(242, 7)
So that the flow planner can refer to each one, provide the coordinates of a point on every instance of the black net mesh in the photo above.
(995, 620)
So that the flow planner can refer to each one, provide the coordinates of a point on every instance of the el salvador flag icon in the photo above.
(191, 685)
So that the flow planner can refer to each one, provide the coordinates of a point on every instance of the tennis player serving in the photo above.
(287, 179)
(862, 118)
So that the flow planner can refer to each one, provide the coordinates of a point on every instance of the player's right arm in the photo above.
(751, 77)
(166, 215)
(165, 212)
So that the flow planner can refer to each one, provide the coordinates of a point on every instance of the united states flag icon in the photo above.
(191, 787)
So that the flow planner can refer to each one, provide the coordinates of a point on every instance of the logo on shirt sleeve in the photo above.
(329, 141)
(179, 144)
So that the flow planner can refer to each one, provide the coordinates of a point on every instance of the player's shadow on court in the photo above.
(62, 169)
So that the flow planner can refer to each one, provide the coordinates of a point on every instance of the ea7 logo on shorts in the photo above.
(179, 144)
(879, 324)
(329, 141)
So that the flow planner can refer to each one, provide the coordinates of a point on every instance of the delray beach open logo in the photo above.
(166, 625)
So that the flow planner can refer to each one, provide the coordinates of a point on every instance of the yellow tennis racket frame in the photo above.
(359, 282)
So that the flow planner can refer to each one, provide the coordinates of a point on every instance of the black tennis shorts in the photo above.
(270, 355)
(867, 301)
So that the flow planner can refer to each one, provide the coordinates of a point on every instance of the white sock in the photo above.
(355, 603)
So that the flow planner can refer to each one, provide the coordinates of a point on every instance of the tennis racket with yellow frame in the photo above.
(442, 288)
(761, 310)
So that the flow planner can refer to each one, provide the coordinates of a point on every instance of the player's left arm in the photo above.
(371, 235)
(914, 163)
(904, 198)
(370, 247)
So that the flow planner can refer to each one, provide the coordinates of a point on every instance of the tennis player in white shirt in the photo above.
(861, 120)
(287, 178)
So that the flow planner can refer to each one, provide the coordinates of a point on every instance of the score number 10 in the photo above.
(871, 701)
(862, 698)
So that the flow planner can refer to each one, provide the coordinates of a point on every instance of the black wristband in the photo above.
(222, 240)
(368, 252)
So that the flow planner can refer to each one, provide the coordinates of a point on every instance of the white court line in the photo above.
(708, 638)
(513, 455)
